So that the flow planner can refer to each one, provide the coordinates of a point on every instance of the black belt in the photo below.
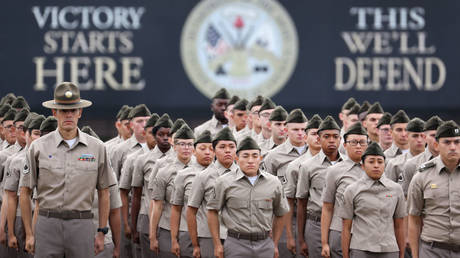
(445, 246)
(66, 214)
(315, 218)
(249, 236)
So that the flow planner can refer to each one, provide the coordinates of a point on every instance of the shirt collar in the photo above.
(240, 174)
(221, 169)
(322, 157)
(132, 142)
(369, 181)
(81, 138)
(440, 167)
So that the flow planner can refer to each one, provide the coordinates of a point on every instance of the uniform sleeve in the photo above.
(303, 185)
(141, 167)
(31, 167)
(115, 199)
(154, 167)
(415, 196)
(106, 177)
(12, 176)
(408, 173)
(280, 203)
(159, 184)
(390, 171)
(197, 191)
(330, 189)
(179, 187)
(401, 208)
(126, 175)
(217, 200)
(115, 160)
(347, 210)
(292, 174)
(268, 164)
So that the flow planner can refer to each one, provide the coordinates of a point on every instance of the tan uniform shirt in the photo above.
(161, 183)
(182, 187)
(342, 150)
(66, 177)
(14, 174)
(392, 152)
(213, 125)
(373, 205)
(277, 160)
(338, 178)
(127, 171)
(394, 168)
(248, 208)
(111, 144)
(241, 134)
(4, 155)
(120, 153)
(312, 179)
(264, 144)
(142, 169)
(292, 174)
(202, 192)
(434, 194)
(411, 167)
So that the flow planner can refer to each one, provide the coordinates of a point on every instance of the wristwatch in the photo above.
(103, 230)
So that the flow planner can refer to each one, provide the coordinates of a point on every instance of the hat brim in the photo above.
(53, 105)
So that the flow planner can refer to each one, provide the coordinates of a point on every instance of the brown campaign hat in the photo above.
(67, 96)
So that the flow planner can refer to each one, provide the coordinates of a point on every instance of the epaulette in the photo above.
(426, 166)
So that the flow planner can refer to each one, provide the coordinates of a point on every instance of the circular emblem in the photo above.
(68, 94)
(249, 47)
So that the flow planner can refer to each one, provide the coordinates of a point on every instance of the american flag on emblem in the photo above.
(216, 45)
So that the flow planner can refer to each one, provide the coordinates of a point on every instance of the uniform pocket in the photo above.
(236, 204)
(265, 204)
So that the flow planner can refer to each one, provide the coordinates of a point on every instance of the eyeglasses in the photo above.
(183, 144)
(355, 142)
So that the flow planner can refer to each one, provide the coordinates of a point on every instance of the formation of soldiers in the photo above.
(253, 181)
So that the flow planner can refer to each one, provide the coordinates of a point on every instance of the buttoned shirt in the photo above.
(120, 153)
(126, 176)
(292, 174)
(394, 168)
(411, 167)
(392, 152)
(14, 173)
(213, 125)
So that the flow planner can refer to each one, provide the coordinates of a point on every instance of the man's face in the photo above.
(313, 139)
(67, 118)
(125, 129)
(417, 142)
(254, 116)
(385, 136)
(249, 161)
(355, 146)
(374, 166)
(263, 118)
(34, 135)
(225, 152)
(118, 126)
(330, 140)
(296, 133)
(9, 131)
(279, 130)
(351, 120)
(162, 138)
(430, 140)
(371, 121)
(399, 133)
(184, 148)
(240, 118)
(149, 137)
(343, 115)
(204, 154)
(449, 148)
(138, 124)
(228, 114)
(20, 134)
(218, 107)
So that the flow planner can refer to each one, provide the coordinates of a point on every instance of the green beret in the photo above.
(177, 125)
(9, 115)
(296, 116)
(21, 115)
(8, 99)
(373, 149)
(354, 110)
(139, 110)
(399, 117)
(433, 123)
(247, 144)
(221, 94)
(328, 123)
(267, 104)
(31, 116)
(357, 128)
(152, 120)
(125, 114)
(384, 120)
(376, 108)
(164, 121)
(314, 122)
(349, 103)
(415, 125)
(225, 134)
(241, 105)
(20, 103)
(88, 130)
(279, 114)
(122, 109)
(184, 133)
(233, 100)
(204, 137)
(49, 124)
(256, 102)
(448, 129)
(36, 122)
(4, 108)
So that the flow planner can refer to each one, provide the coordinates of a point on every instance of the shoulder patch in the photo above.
(426, 166)
(26, 169)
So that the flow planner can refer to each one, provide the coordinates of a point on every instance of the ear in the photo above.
(436, 145)
(54, 111)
